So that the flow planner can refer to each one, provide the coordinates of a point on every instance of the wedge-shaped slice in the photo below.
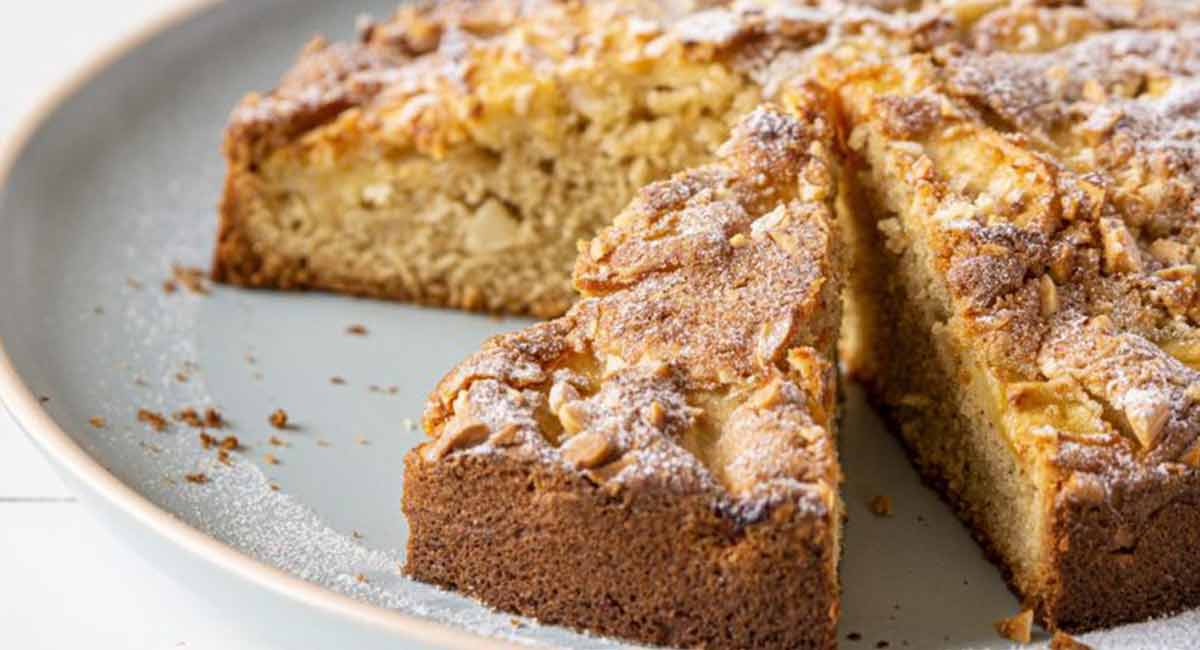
(659, 463)
(1029, 305)
(456, 153)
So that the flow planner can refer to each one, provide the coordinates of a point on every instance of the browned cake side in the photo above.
(456, 153)
(1028, 215)
(659, 464)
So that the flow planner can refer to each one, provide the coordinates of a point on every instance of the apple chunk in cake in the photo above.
(659, 463)
(1030, 229)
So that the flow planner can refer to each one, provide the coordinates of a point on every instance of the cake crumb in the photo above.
(189, 416)
(516, 623)
(169, 287)
(361, 440)
(274, 487)
(337, 381)
(155, 420)
(279, 419)
(189, 277)
(1063, 641)
(882, 644)
(357, 330)
(360, 578)
(323, 443)
(271, 458)
(854, 636)
(1018, 628)
(132, 283)
(199, 478)
(42, 399)
(213, 418)
(206, 440)
(97, 422)
(182, 377)
(356, 535)
(229, 443)
(881, 505)
(150, 447)
(223, 456)
(275, 441)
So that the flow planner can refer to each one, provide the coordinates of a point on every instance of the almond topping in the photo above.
(1147, 421)
(588, 450)
(656, 415)
(1121, 253)
(507, 436)
(561, 393)
(459, 433)
(1169, 251)
(1048, 295)
(768, 396)
(599, 248)
(573, 417)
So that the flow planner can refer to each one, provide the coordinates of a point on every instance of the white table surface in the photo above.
(65, 583)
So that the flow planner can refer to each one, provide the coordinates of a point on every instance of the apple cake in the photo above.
(457, 152)
(659, 463)
(1027, 237)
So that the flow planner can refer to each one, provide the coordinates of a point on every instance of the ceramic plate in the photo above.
(116, 183)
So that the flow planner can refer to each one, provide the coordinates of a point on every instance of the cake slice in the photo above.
(1026, 299)
(456, 153)
(660, 463)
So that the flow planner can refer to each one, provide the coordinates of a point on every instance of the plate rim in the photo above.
(29, 415)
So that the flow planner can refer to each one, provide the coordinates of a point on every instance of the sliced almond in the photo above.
(656, 414)
(588, 450)
(1121, 254)
(459, 433)
(599, 248)
(507, 436)
(561, 393)
(1169, 251)
(768, 396)
(573, 417)
(1048, 296)
(1147, 421)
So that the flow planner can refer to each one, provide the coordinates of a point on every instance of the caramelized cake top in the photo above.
(1051, 181)
(699, 360)
(435, 75)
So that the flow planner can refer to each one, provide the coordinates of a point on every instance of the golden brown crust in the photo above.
(693, 384)
(456, 84)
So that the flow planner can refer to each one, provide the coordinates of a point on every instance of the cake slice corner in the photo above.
(659, 464)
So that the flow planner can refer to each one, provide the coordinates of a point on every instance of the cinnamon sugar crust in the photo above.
(691, 390)
(1038, 205)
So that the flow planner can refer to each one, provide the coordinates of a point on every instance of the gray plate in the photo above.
(117, 182)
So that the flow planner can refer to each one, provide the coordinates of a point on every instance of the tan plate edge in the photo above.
(42, 429)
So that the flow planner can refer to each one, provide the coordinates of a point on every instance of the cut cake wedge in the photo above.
(660, 463)
(1026, 296)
